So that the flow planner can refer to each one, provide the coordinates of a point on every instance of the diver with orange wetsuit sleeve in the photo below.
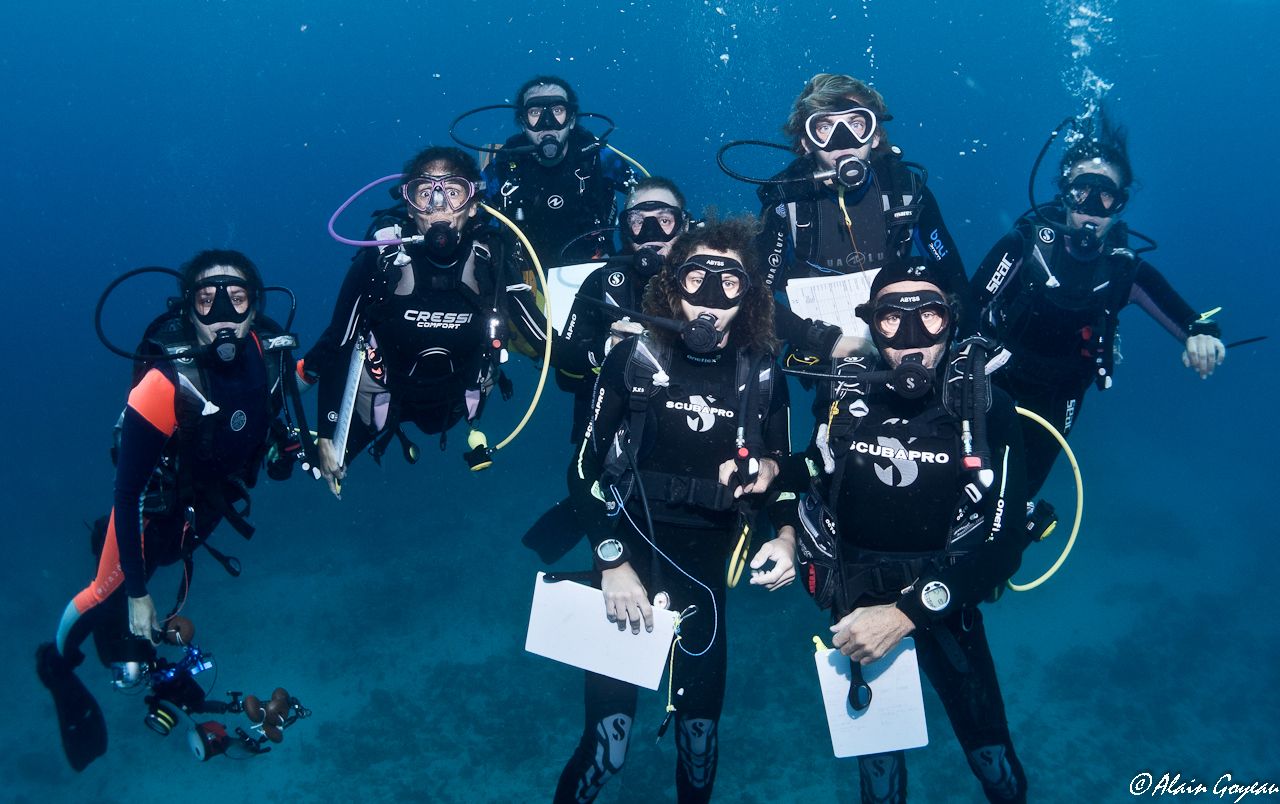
(190, 442)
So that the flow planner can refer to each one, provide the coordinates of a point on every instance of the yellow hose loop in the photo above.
(546, 355)
(639, 166)
(1079, 504)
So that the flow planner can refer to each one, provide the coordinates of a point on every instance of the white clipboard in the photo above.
(895, 719)
(833, 299)
(562, 286)
(567, 623)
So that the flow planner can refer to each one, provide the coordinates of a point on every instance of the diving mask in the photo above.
(652, 222)
(549, 113)
(1094, 194)
(221, 298)
(428, 192)
(915, 319)
(843, 130)
(718, 283)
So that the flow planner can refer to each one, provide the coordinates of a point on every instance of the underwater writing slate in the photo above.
(562, 287)
(895, 718)
(567, 623)
(833, 299)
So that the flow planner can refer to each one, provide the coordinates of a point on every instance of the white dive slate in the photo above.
(895, 718)
(567, 623)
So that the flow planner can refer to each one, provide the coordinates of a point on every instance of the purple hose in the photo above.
(359, 193)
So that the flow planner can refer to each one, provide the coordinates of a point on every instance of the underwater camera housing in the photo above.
(175, 693)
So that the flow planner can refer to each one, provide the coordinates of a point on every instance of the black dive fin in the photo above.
(84, 730)
(555, 533)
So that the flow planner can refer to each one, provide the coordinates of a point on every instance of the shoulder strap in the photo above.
(901, 197)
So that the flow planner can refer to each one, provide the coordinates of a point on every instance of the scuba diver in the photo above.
(653, 216)
(915, 512)
(420, 328)
(555, 178)
(847, 204)
(685, 437)
(1051, 291)
(200, 419)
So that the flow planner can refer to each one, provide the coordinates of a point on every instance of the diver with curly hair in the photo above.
(685, 437)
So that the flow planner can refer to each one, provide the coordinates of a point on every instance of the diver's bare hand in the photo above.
(625, 598)
(331, 467)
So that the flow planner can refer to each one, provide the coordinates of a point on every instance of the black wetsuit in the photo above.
(808, 237)
(434, 364)
(587, 333)
(1061, 337)
(689, 431)
(553, 205)
(905, 519)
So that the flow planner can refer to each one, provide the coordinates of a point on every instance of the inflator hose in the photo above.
(1079, 504)
(546, 294)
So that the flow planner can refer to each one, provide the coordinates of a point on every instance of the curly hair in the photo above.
(753, 327)
(1100, 138)
(827, 92)
(460, 162)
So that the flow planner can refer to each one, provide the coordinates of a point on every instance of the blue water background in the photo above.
(137, 135)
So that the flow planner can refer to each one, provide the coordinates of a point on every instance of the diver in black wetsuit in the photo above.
(653, 215)
(566, 186)
(682, 441)
(1052, 289)
(838, 121)
(434, 313)
(924, 529)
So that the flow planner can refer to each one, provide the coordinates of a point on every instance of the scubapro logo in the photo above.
(333, 415)
(616, 279)
(555, 202)
(1046, 234)
(237, 420)
(706, 414)
(905, 461)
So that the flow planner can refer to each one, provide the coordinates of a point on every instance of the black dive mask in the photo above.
(651, 228)
(1094, 194)
(710, 289)
(907, 320)
(222, 310)
(546, 107)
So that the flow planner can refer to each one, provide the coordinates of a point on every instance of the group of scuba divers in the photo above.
(909, 506)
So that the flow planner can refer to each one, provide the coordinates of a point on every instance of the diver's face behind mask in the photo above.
(833, 134)
(713, 284)
(547, 117)
(222, 310)
(909, 318)
(1093, 197)
(441, 202)
(653, 219)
